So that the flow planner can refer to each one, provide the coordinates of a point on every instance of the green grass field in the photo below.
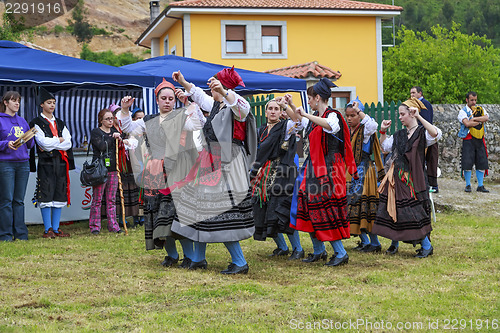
(110, 283)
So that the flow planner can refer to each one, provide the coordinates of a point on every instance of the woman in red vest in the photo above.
(321, 188)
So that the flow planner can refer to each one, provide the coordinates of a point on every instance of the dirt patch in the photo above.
(451, 196)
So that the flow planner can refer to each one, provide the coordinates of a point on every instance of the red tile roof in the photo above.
(302, 71)
(286, 4)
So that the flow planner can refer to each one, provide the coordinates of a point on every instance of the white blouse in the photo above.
(240, 106)
(49, 144)
(332, 120)
(429, 140)
(194, 121)
(370, 128)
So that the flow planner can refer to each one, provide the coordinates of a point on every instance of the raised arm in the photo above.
(125, 121)
(431, 129)
(284, 103)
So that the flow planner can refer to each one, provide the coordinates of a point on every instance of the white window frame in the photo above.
(165, 45)
(253, 40)
(173, 50)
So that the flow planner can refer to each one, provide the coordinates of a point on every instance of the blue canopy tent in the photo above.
(198, 72)
(81, 87)
(22, 64)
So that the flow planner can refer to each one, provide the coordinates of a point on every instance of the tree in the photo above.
(11, 28)
(445, 63)
(79, 27)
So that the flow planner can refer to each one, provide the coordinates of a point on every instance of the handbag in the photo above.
(94, 173)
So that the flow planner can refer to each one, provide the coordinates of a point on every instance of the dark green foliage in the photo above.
(481, 17)
(58, 29)
(100, 31)
(445, 63)
(108, 57)
(11, 29)
(81, 29)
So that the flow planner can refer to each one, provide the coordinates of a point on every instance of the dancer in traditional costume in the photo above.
(362, 195)
(55, 159)
(404, 209)
(214, 203)
(273, 175)
(170, 154)
(321, 186)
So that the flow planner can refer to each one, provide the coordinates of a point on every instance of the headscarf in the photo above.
(361, 106)
(113, 107)
(415, 103)
(44, 95)
(164, 84)
(135, 110)
(322, 88)
(229, 78)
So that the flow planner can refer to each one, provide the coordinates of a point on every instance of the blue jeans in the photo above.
(13, 182)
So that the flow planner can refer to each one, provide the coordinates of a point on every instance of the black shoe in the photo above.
(482, 189)
(169, 261)
(334, 261)
(235, 269)
(424, 253)
(392, 250)
(467, 188)
(185, 263)
(198, 264)
(360, 246)
(297, 255)
(95, 232)
(279, 252)
(315, 257)
(371, 248)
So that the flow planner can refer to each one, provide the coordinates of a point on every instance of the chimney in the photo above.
(154, 10)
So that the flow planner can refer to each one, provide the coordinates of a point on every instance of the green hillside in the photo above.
(481, 17)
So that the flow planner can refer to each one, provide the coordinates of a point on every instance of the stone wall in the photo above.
(450, 146)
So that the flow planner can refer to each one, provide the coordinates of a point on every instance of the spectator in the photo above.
(14, 169)
(472, 118)
(103, 144)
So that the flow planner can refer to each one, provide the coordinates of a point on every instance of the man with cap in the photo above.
(55, 159)
(214, 204)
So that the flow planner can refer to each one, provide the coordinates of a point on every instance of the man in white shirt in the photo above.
(472, 119)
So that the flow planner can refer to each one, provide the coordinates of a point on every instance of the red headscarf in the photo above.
(229, 78)
(164, 84)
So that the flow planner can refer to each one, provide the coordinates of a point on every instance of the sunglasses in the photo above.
(108, 119)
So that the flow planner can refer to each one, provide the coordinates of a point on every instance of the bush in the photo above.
(58, 29)
(109, 57)
(100, 31)
(445, 63)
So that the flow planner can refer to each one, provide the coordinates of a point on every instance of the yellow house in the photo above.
(261, 35)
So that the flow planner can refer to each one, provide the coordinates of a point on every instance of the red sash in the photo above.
(64, 155)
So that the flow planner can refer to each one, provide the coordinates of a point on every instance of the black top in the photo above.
(103, 144)
(47, 157)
